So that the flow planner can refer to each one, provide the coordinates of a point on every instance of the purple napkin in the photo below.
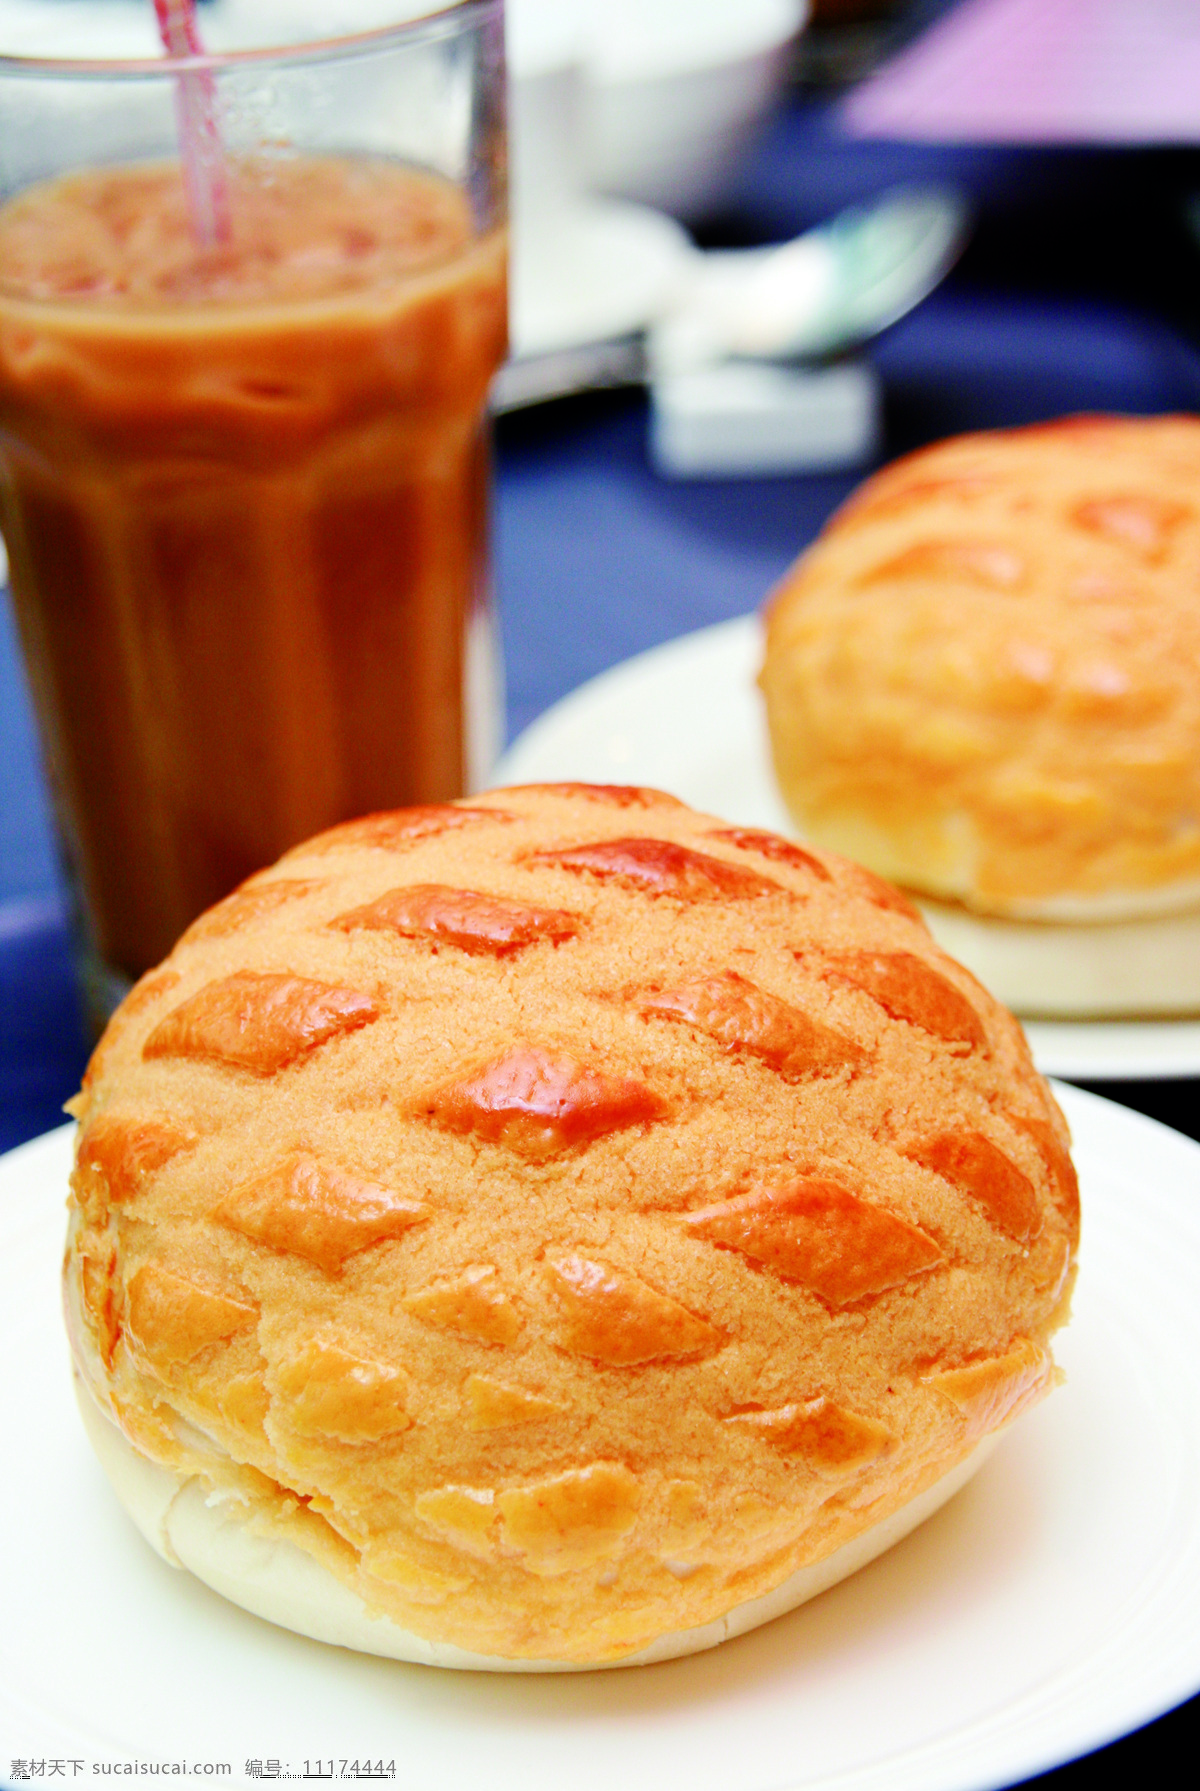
(1042, 71)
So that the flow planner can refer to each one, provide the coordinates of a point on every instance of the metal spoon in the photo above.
(820, 294)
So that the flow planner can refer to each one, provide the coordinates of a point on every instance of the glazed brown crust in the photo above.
(580, 1282)
(979, 679)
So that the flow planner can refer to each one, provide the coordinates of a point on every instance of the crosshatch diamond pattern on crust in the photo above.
(564, 1217)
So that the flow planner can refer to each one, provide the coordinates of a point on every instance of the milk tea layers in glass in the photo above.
(244, 485)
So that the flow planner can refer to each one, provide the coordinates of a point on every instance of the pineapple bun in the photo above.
(556, 1230)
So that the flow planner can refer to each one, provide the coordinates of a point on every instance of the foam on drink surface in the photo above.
(302, 229)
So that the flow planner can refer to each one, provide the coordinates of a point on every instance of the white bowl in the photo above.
(674, 88)
(585, 268)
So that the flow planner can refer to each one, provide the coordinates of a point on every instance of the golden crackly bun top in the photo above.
(565, 1214)
(981, 679)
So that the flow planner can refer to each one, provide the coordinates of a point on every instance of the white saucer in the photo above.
(608, 272)
(1048, 1608)
(686, 717)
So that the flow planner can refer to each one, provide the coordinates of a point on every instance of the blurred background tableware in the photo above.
(751, 366)
(626, 122)
(586, 269)
(627, 118)
(675, 91)
(243, 443)
(823, 293)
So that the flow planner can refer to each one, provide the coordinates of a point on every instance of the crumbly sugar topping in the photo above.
(568, 1220)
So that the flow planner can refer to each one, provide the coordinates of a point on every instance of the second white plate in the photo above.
(686, 717)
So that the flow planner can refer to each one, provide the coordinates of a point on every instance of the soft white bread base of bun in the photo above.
(1072, 970)
(191, 1526)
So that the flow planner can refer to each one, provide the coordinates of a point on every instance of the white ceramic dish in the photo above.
(1045, 1610)
(614, 269)
(686, 717)
(674, 90)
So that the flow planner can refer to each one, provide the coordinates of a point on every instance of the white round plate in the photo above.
(611, 272)
(1045, 1610)
(686, 717)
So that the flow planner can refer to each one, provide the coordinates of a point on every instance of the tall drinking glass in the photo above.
(244, 482)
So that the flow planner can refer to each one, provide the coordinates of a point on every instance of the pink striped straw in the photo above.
(200, 146)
